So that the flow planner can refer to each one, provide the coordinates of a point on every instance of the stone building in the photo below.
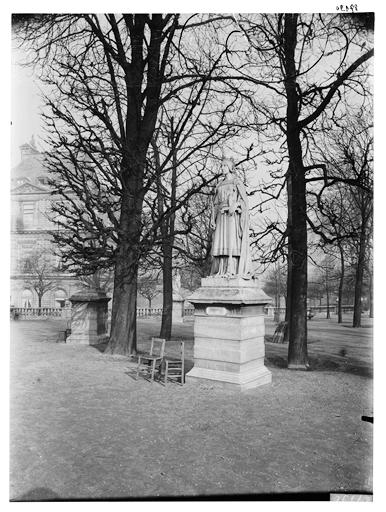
(31, 236)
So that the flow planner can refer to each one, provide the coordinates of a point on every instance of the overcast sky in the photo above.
(24, 109)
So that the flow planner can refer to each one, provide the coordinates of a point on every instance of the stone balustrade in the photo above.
(30, 313)
(148, 312)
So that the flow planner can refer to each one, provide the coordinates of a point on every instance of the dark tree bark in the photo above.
(123, 335)
(360, 268)
(341, 283)
(297, 220)
(39, 303)
(167, 281)
(288, 302)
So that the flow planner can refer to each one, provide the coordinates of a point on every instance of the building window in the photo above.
(28, 214)
(58, 262)
(60, 298)
(27, 267)
(25, 251)
(26, 299)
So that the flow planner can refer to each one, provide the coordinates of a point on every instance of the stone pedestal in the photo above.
(178, 308)
(89, 318)
(229, 333)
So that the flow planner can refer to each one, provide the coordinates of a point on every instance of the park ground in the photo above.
(83, 428)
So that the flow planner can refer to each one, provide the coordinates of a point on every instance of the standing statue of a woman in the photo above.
(230, 222)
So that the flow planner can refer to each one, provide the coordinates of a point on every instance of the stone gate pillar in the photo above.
(229, 333)
(89, 318)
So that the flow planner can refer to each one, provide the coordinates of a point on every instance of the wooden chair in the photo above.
(175, 368)
(149, 362)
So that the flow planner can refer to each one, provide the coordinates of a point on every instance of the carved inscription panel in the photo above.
(215, 311)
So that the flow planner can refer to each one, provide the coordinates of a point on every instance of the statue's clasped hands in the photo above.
(233, 209)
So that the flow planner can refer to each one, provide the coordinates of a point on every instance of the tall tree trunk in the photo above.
(297, 221)
(123, 334)
(341, 283)
(277, 294)
(137, 124)
(288, 314)
(359, 278)
(167, 281)
(167, 248)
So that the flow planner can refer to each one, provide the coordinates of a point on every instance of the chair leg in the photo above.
(138, 367)
(152, 370)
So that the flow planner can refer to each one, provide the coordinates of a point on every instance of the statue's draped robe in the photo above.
(230, 243)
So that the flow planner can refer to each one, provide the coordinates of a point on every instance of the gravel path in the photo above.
(83, 428)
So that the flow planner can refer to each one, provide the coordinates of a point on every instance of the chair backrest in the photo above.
(157, 347)
(179, 357)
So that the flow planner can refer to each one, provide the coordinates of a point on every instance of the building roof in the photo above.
(30, 168)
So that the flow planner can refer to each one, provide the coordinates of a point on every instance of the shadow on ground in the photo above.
(38, 494)
(321, 363)
(42, 494)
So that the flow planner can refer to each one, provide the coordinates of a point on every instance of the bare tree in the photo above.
(275, 284)
(327, 278)
(108, 77)
(195, 247)
(305, 64)
(344, 214)
(335, 229)
(38, 267)
(99, 280)
(315, 289)
(148, 287)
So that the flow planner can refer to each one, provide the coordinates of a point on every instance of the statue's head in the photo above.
(227, 165)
